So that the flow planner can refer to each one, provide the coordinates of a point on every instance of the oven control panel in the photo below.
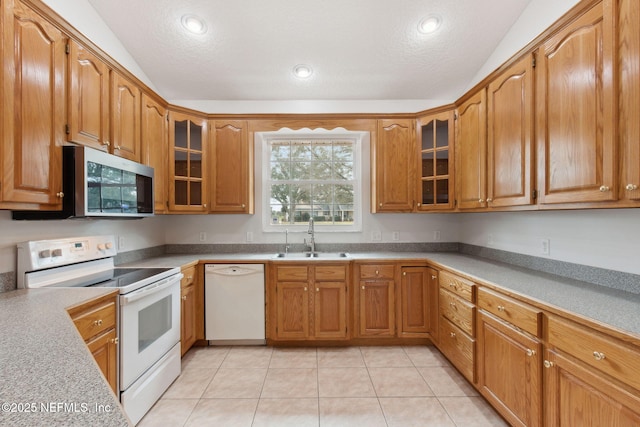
(41, 254)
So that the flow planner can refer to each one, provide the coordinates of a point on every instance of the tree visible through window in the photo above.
(312, 178)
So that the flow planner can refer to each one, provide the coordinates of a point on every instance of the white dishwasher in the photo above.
(234, 304)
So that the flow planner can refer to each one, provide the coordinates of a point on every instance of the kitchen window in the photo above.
(312, 176)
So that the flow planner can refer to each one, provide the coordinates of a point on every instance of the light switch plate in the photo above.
(203, 236)
(395, 235)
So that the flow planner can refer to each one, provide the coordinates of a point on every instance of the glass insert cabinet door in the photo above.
(188, 157)
(435, 135)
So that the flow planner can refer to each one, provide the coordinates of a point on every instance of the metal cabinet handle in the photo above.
(114, 341)
(481, 201)
(598, 355)
(547, 364)
(631, 187)
(60, 194)
(452, 304)
(106, 143)
(363, 287)
(243, 206)
(433, 277)
(501, 308)
(97, 322)
(604, 189)
(184, 297)
(489, 200)
(530, 352)
(452, 334)
(404, 273)
(305, 289)
(377, 272)
(317, 289)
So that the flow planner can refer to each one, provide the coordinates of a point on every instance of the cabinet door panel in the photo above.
(231, 168)
(471, 147)
(125, 113)
(33, 87)
(510, 136)
(104, 349)
(187, 318)
(629, 101)
(575, 107)
(330, 320)
(509, 371)
(416, 295)
(394, 159)
(377, 314)
(293, 310)
(88, 98)
(154, 133)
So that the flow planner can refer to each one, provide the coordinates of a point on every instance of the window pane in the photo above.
(300, 151)
(344, 194)
(343, 171)
(343, 151)
(180, 132)
(196, 137)
(280, 151)
(427, 136)
(442, 162)
(280, 171)
(442, 133)
(180, 192)
(428, 197)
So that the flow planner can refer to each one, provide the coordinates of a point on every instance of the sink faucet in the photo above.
(312, 240)
(286, 240)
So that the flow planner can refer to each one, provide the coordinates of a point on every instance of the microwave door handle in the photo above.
(150, 290)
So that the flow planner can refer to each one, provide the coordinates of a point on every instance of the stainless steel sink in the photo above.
(311, 255)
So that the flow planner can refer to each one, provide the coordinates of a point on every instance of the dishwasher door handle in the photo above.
(233, 271)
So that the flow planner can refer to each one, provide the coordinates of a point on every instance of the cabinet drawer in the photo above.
(458, 347)
(331, 272)
(595, 349)
(96, 319)
(377, 271)
(462, 287)
(460, 312)
(297, 273)
(189, 276)
(517, 313)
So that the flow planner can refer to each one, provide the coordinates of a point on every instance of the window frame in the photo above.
(265, 139)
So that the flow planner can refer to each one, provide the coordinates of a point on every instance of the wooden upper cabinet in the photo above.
(154, 136)
(393, 162)
(125, 117)
(575, 110)
(629, 101)
(88, 101)
(471, 152)
(435, 186)
(231, 168)
(33, 115)
(187, 160)
(510, 136)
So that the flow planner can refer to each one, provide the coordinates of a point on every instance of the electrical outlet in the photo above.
(120, 243)
(395, 235)
(545, 246)
(203, 236)
(376, 236)
(249, 236)
(436, 235)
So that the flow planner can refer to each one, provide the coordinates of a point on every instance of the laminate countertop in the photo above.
(617, 309)
(48, 377)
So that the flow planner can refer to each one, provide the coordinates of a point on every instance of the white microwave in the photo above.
(101, 185)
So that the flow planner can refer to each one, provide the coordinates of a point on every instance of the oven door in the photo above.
(149, 327)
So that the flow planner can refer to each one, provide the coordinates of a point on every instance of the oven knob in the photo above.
(101, 246)
(108, 245)
(56, 252)
(45, 253)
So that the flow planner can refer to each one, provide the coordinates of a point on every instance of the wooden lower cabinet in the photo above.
(308, 302)
(417, 302)
(96, 321)
(187, 309)
(376, 300)
(577, 395)
(509, 370)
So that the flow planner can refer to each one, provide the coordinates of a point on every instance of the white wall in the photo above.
(138, 234)
(606, 238)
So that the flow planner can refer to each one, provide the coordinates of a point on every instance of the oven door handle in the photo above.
(151, 289)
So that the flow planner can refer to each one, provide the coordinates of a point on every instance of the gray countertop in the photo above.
(48, 376)
(46, 365)
(618, 309)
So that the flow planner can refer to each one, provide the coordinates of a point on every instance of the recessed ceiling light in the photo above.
(302, 71)
(194, 24)
(429, 24)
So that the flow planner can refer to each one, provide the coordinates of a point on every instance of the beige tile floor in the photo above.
(350, 386)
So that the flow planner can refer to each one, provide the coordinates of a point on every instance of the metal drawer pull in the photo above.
(184, 297)
(377, 272)
(604, 189)
(305, 289)
(501, 308)
(631, 187)
(433, 277)
(97, 322)
(452, 334)
(547, 364)
(114, 341)
(530, 352)
(598, 355)
(452, 285)
(452, 304)
(317, 289)
(362, 286)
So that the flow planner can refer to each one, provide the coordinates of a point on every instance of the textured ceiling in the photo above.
(358, 49)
